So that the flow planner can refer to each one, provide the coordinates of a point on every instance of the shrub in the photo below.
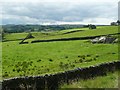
(88, 55)
(97, 55)
(78, 55)
(66, 56)
(39, 60)
(113, 53)
(13, 70)
(89, 60)
(80, 60)
(5, 75)
(18, 70)
(48, 69)
(61, 64)
(75, 61)
(50, 60)
(73, 66)
(94, 59)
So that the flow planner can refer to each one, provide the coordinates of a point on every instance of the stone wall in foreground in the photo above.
(53, 81)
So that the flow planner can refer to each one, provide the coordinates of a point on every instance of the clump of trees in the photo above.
(92, 26)
(115, 23)
(118, 21)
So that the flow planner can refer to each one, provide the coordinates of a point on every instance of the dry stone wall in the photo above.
(54, 81)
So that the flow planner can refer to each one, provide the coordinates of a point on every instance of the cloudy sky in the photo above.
(58, 11)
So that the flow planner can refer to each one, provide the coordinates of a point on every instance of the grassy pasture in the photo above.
(53, 57)
(15, 36)
(101, 30)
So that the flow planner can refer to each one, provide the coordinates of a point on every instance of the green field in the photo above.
(52, 57)
(101, 30)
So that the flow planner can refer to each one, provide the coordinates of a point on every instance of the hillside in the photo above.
(53, 57)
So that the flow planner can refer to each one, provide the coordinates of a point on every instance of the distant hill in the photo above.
(27, 28)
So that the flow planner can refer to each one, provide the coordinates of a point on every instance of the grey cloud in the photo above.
(119, 10)
(53, 11)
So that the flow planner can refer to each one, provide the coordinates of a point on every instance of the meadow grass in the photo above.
(15, 36)
(101, 30)
(52, 57)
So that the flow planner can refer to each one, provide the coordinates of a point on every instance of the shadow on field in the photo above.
(72, 32)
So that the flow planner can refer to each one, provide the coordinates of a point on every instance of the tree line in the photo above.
(38, 28)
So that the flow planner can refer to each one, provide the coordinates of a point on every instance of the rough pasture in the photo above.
(55, 57)
(101, 30)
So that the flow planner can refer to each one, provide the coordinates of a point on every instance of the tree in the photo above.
(92, 26)
(113, 24)
(2, 34)
(118, 21)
